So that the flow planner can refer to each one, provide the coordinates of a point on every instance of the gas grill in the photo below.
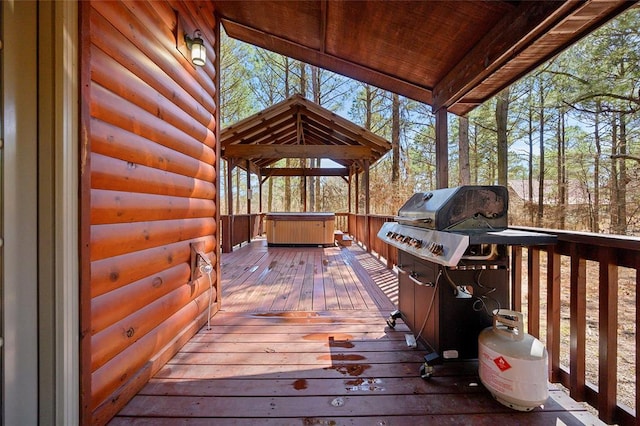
(453, 264)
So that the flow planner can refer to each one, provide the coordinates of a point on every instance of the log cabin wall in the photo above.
(148, 170)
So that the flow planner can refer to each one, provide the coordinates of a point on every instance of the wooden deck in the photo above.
(301, 340)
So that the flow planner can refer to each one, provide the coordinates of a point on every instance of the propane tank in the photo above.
(513, 364)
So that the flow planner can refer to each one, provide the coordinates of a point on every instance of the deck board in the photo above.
(301, 339)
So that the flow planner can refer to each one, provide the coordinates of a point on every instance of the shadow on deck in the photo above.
(301, 340)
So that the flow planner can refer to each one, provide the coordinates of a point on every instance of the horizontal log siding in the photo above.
(151, 154)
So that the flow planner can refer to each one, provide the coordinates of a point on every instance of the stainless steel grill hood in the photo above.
(461, 209)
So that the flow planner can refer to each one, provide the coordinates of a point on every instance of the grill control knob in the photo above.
(435, 248)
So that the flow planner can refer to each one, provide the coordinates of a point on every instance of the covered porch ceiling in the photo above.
(448, 54)
(300, 128)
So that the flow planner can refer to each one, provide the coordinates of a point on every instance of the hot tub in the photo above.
(300, 228)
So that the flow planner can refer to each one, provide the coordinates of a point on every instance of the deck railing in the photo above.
(584, 293)
(579, 297)
(245, 228)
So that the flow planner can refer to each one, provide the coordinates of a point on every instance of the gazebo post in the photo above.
(260, 182)
(357, 194)
(304, 193)
(227, 234)
(250, 227)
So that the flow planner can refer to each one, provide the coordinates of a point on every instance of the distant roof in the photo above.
(448, 54)
(577, 194)
(299, 128)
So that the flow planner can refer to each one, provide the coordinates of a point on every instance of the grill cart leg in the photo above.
(426, 369)
(391, 321)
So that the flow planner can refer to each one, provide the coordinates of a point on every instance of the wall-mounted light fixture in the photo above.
(196, 45)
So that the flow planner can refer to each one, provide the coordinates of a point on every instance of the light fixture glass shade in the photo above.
(198, 52)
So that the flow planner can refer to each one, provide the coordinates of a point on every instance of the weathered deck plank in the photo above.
(302, 339)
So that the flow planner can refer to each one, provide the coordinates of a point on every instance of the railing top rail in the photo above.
(602, 240)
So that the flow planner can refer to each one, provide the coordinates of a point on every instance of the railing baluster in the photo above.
(533, 283)
(553, 313)
(516, 278)
(608, 335)
(578, 325)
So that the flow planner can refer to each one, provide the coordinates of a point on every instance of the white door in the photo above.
(19, 214)
(38, 213)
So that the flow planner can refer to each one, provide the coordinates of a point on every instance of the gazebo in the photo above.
(298, 128)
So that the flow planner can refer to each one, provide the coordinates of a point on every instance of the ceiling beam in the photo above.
(299, 171)
(297, 151)
(516, 31)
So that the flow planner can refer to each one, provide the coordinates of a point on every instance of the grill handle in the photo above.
(413, 276)
(413, 220)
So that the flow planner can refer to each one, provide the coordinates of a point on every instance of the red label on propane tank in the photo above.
(502, 363)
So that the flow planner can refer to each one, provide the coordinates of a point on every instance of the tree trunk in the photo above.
(624, 179)
(530, 159)
(562, 179)
(502, 111)
(614, 184)
(463, 151)
(541, 173)
(595, 210)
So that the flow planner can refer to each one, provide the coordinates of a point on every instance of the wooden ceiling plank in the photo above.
(314, 57)
(499, 59)
(515, 31)
(297, 151)
(555, 39)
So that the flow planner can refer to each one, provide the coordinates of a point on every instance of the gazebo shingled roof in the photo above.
(299, 128)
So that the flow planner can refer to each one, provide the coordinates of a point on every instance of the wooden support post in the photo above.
(367, 205)
(227, 245)
(349, 182)
(442, 149)
(304, 194)
(357, 194)
(260, 193)
(249, 196)
(217, 249)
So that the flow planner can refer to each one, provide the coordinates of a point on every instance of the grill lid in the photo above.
(465, 208)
